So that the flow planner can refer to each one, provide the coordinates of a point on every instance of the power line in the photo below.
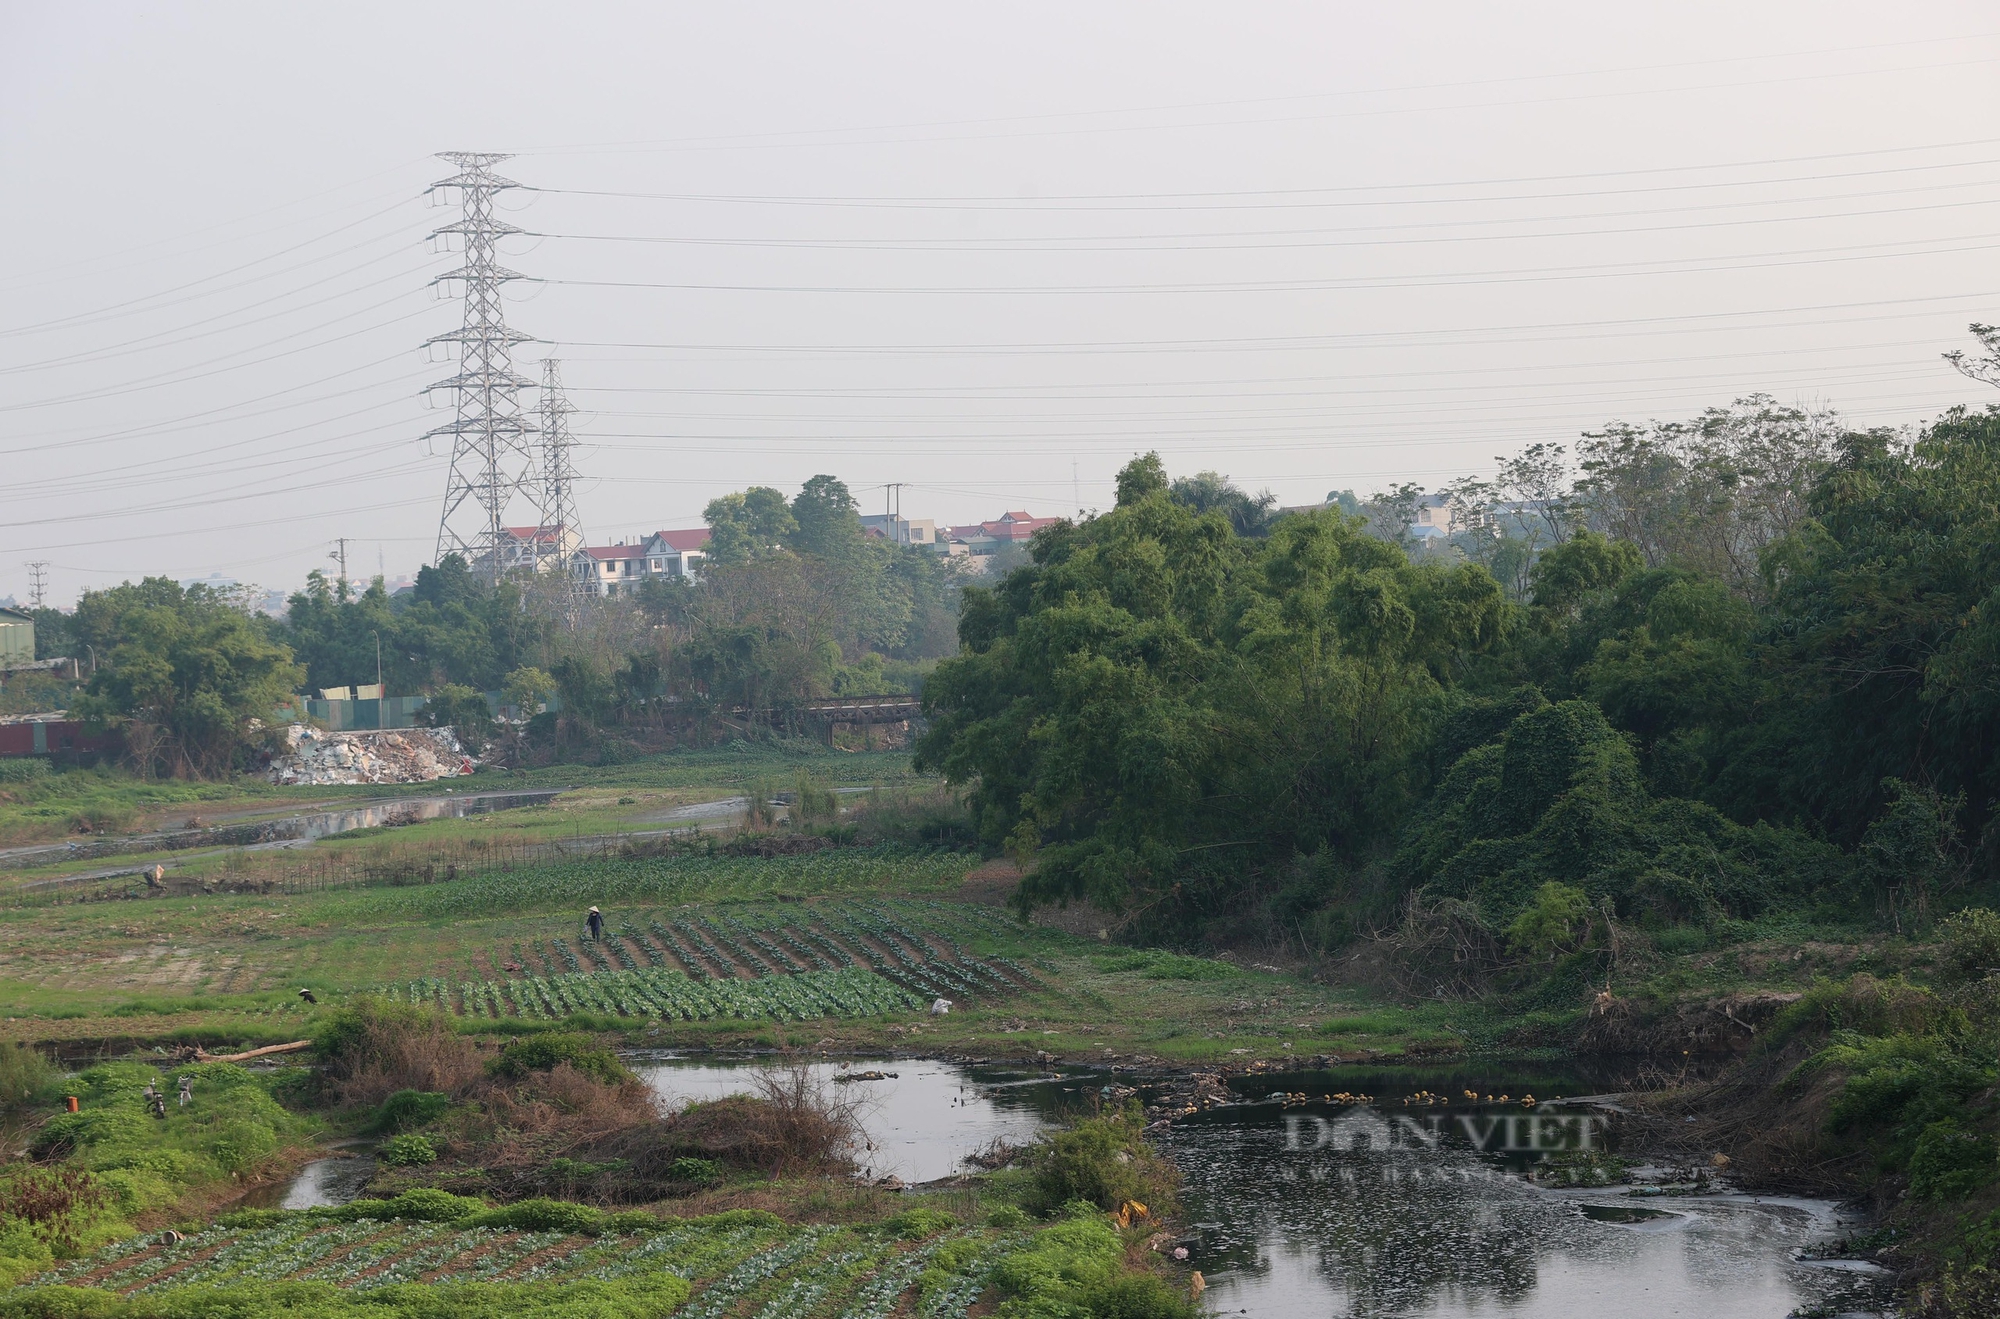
(1684, 323)
(91, 317)
(778, 138)
(1185, 202)
(182, 375)
(1443, 279)
(178, 335)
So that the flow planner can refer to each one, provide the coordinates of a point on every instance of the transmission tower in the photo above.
(559, 517)
(492, 444)
(38, 580)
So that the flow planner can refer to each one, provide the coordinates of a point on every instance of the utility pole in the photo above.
(559, 516)
(340, 556)
(38, 581)
(492, 457)
(895, 512)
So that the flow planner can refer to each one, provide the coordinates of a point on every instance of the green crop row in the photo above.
(741, 1262)
(674, 996)
(599, 882)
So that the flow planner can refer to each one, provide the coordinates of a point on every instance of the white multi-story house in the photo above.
(612, 570)
(676, 553)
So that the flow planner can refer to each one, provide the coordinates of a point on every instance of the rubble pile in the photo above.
(400, 755)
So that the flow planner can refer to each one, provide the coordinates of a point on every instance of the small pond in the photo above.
(1305, 1209)
(1316, 1210)
(922, 1120)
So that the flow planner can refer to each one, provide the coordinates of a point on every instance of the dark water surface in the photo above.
(334, 1180)
(1315, 1211)
(1296, 1226)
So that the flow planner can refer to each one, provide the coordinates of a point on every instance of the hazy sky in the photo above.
(989, 252)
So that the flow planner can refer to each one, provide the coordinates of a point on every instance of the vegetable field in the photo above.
(580, 883)
(737, 1263)
(783, 963)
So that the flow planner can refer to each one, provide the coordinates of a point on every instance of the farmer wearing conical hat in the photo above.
(596, 923)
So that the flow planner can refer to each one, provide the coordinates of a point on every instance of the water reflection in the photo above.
(922, 1122)
(336, 1180)
(1380, 1228)
(407, 811)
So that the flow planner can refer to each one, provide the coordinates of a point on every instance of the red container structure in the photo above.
(54, 737)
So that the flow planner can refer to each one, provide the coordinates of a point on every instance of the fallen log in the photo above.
(204, 1056)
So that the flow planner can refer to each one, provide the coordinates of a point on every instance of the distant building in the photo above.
(1433, 519)
(545, 548)
(215, 581)
(1016, 527)
(17, 637)
(676, 553)
(611, 570)
(899, 530)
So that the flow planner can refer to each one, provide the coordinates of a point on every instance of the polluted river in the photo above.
(1324, 1194)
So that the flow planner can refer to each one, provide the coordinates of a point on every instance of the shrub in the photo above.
(411, 1108)
(1076, 1268)
(1136, 1296)
(52, 1201)
(694, 1172)
(1552, 925)
(1156, 965)
(543, 1052)
(1971, 945)
(919, 1223)
(374, 1048)
(422, 1205)
(632, 1222)
(462, 710)
(1951, 1163)
(1900, 1083)
(406, 1150)
(26, 1076)
(1103, 1161)
(541, 1216)
(794, 1123)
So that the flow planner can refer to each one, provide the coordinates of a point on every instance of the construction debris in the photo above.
(316, 757)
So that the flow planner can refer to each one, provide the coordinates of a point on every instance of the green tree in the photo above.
(1211, 492)
(186, 675)
(748, 525)
(462, 710)
(1884, 635)
(528, 689)
(1154, 692)
(826, 522)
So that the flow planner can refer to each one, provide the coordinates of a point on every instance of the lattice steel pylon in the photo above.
(493, 461)
(559, 517)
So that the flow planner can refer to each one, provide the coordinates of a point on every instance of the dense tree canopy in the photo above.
(1153, 687)
(1747, 659)
(186, 674)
